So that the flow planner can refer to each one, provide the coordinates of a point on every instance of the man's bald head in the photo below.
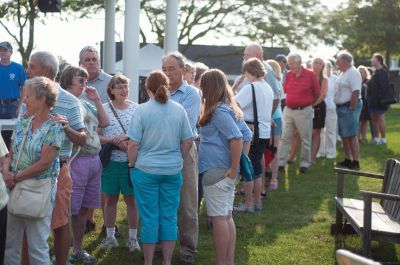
(253, 50)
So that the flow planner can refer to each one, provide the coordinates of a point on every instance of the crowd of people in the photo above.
(79, 133)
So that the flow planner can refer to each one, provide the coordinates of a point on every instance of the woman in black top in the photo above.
(378, 87)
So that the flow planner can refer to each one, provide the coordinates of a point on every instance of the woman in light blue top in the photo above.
(222, 131)
(160, 136)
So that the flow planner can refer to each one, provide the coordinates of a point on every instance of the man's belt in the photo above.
(8, 101)
(298, 108)
(346, 104)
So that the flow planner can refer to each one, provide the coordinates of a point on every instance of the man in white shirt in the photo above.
(348, 107)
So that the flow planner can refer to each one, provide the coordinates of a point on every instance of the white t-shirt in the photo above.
(264, 99)
(346, 84)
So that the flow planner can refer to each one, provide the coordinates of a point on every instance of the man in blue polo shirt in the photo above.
(12, 79)
(173, 66)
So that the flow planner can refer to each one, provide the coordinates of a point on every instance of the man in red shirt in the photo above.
(302, 89)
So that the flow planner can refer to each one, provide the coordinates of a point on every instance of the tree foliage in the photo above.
(278, 22)
(365, 27)
(22, 13)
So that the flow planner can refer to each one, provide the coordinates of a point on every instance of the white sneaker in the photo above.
(383, 141)
(133, 245)
(109, 242)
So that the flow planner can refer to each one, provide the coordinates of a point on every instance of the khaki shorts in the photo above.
(61, 209)
(219, 197)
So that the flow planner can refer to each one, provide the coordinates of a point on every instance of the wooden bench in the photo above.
(371, 220)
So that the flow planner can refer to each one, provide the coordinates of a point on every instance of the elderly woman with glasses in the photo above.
(86, 167)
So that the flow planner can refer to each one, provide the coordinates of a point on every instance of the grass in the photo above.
(294, 227)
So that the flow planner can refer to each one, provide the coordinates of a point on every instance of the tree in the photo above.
(197, 18)
(365, 27)
(24, 14)
(278, 22)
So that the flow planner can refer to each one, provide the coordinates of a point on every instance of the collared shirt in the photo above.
(215, 151)
(301, 90)
(347, 82)
(189, 98)
(12, 78)
(100, 83)
(159, 130)
(49, 133)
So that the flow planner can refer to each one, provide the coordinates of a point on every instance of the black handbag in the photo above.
(389, 97)
(106, 149)
(254, 126)
(105, 153)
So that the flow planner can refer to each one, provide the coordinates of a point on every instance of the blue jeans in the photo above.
(348, 120)
(157, 200)
(9, 111)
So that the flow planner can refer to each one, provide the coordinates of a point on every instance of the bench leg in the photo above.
(339, 222)
(366, 238)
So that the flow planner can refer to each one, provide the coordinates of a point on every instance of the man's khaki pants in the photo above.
(188, 223)
(302, 120)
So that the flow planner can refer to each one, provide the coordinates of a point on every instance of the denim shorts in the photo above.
(348, 120)
(277, 130)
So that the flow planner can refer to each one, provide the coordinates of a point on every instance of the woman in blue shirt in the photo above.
(160, 136)
(222, 134)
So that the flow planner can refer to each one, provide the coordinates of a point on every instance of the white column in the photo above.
(171, 28)
(131, 46)
(109, 37)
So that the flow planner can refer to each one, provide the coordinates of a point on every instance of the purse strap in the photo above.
(116, 116)
(23, 143)
(255, 113)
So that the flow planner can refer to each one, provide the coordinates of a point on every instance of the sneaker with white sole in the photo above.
(82, 256)
(243, 208)
(133, 245)
(109, 242)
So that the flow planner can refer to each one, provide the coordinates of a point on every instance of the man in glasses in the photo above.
(90, 60)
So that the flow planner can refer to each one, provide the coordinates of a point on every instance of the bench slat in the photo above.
(380, 221)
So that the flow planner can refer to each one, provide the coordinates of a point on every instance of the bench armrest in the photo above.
(380, 195)
(357, 173)
(341, 172)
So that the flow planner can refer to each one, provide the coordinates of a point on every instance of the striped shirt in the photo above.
(302, 90)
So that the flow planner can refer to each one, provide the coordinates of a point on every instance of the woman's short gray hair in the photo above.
(43, 87)
(345, 56)
(47, 59)
(295, 56)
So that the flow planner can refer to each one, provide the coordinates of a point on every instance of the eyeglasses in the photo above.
(81, 80)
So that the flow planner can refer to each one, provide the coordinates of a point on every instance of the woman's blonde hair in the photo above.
(215, 89)
(43, 87)
(276, 68)
(365, 69)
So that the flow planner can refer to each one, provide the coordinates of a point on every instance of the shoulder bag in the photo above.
(29, 198)
(106, 149)
(246, 168)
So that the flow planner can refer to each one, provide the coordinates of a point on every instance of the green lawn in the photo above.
(294, 227)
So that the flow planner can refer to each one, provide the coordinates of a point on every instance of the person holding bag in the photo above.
(256, 101)
(33, 159)
(115, 177)
(222, 131)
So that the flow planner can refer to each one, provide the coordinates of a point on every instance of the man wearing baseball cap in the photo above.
(12, 78)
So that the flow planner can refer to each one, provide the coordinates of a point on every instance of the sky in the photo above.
(66, 39)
